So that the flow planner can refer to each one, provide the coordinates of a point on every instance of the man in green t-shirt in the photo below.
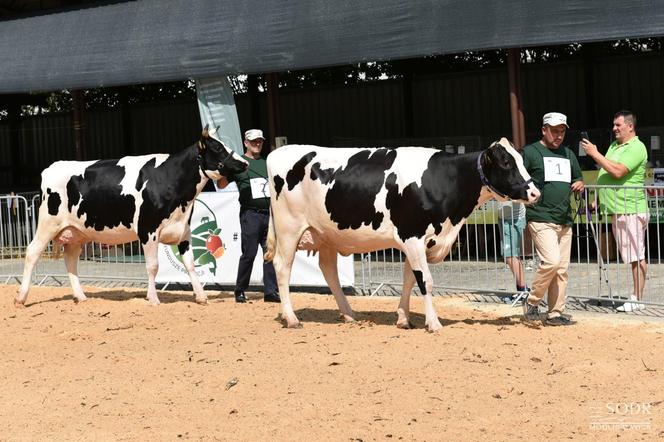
(254, 217)
(625, 165)
(556, 173)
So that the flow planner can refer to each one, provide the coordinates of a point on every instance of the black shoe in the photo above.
(530, 312)
(560, 320)
(240, 297)
(272, 297)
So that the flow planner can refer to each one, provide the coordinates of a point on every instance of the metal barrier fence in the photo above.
(15, 234)
(596, 271)
(99, 263)
(475, 263)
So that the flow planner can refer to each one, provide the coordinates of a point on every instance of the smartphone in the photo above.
(582, 152)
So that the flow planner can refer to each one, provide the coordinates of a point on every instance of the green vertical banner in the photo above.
(216, 106)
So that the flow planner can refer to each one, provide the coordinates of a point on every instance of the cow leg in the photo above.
(327, 261)
(150, 250)
(416, 254)
(72, 252)
(32, 254)
(283, 263)
(403, 312)
(188, 259)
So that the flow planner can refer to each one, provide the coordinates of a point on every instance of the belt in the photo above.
(266, 211)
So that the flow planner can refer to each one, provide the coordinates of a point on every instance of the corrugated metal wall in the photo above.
(319, 115)
(470, 108)
(632, 83)
(104, 134)
(165, 127)
(43, 140)
(472, 103)
(553, 87)
(5, 158)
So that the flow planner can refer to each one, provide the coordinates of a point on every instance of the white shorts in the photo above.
(630, 234)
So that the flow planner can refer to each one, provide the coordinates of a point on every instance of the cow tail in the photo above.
(271, 240)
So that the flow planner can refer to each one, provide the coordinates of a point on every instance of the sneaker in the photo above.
(630, 307)
(515, 297)
(508, 299)
(512, 299)
(530, 312)
(559, 320)
(272, 297)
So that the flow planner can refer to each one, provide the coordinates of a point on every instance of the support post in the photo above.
(516, 109)
(273, 117)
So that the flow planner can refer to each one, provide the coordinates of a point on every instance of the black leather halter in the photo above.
(220, 165)
(486, 182)
(200, 164)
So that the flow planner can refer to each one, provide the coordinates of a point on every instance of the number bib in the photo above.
(259, 188)
(557, 169)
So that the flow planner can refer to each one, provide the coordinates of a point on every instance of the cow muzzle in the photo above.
(232, 165)
(533, 194)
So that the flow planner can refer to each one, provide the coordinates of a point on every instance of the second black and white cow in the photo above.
(147, 198)
(353, 200)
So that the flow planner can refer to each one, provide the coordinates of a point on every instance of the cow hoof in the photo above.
(405, 325)
(294, 325)
(19, 304)
(434, 328)
(201, 301)
(154, 302)
(82, 299)
(345, 318)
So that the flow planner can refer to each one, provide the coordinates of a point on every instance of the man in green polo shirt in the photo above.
(556, 173)
(625, 165)
(254, 217)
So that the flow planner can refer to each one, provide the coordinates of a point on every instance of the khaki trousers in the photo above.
(553, 244)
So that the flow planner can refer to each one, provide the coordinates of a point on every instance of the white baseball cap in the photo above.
(253, 134)
(554, 119)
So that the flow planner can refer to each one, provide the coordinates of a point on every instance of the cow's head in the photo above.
(502, 172)
(216, 159)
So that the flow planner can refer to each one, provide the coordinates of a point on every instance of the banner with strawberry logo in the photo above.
(216, 245)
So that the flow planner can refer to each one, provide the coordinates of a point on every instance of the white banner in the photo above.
(216, 242)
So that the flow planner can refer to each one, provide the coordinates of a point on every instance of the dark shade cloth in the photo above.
(148, 41)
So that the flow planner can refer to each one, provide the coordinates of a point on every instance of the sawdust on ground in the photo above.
(115, 368)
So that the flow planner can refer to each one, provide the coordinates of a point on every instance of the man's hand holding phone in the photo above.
(588, 147)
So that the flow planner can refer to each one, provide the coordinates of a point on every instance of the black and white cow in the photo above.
(353, 200)
(148, 198)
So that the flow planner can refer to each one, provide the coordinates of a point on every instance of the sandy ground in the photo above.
(115, 368)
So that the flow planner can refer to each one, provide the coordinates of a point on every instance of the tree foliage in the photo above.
(471, 60)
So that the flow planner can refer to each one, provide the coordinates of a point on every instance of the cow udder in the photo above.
(309, 242)
(70, 235)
